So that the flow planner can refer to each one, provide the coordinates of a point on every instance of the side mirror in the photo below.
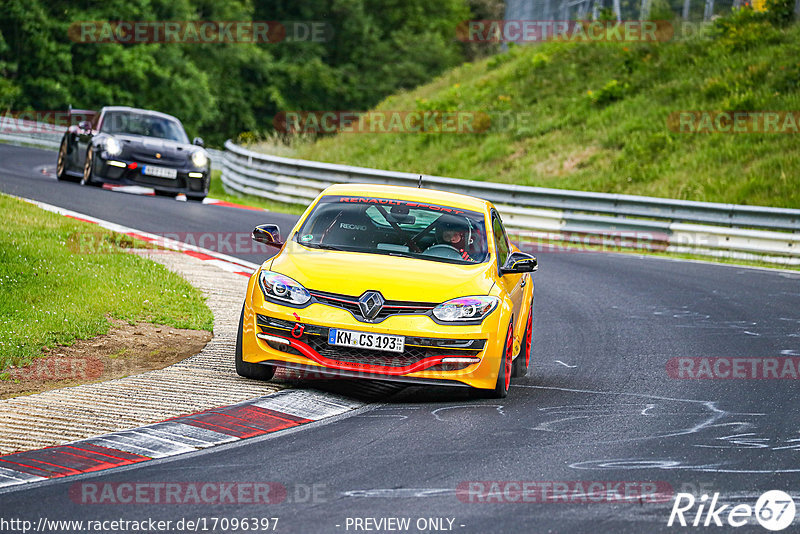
(519, 262)
(198, 141)
(85, 125)
(269, 234)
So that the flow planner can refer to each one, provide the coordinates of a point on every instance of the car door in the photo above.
(512, 284)
(84, 137)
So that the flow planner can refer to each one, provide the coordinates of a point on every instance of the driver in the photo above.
(454, 231)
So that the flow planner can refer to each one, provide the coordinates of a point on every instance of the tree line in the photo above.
(322, 55)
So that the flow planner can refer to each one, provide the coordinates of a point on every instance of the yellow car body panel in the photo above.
(397, 279)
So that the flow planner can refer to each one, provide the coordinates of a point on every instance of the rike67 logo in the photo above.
(774, 510)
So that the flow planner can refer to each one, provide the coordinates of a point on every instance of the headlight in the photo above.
(465, 309)
(199, 158)
(113, 147)
(282, 288)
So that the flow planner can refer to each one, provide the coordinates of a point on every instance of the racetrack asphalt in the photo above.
(598, 406)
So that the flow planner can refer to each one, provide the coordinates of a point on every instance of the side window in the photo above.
(500, 240)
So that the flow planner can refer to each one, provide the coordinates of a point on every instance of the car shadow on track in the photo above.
(367, 390)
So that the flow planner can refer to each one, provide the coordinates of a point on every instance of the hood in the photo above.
(397, 278)
(153, 145)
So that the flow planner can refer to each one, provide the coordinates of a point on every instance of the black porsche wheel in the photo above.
(169, 194)
(250, 370)
(61, 164)
(88, 169)
(195, 198)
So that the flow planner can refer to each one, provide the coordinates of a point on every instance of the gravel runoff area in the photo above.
(206, 380)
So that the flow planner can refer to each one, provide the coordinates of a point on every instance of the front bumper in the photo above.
(297, 339)
(125, 171)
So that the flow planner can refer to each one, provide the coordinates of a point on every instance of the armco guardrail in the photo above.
(744, 232)
(42, 135)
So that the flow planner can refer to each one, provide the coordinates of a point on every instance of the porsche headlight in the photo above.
(113, 147)
(465, 309)
(199, 158)
(282, 288)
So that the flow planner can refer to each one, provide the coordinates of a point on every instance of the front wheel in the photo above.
(255, 371)
(500, 390)
(61, 164)
(523, 360)
(88, 169)
(195, 198)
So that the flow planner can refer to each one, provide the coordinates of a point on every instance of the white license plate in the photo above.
(366, 340)
(161, 172)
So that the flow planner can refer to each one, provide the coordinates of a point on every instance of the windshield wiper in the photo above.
(321, 246)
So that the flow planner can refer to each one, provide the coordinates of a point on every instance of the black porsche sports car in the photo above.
(129, 146)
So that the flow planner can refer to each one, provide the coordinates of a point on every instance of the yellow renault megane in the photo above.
(391, 283)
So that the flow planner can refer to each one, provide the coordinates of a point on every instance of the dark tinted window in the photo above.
(500, 240)
(396, 227)
(126, 122)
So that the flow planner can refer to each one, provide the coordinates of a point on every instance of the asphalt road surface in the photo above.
(606, 403)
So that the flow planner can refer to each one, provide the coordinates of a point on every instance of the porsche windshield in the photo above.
(144, 124)
(396, 227)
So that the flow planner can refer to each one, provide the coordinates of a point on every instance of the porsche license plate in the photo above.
(161, 172)
(366, 340)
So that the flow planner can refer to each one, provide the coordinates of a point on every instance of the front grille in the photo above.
(390, 307)
(143, 156)
(416, 348)
(163, 182)
(367, 357)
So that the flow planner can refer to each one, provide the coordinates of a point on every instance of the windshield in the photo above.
(396, 227)
(126, 122)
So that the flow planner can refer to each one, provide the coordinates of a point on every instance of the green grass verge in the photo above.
(60, 279)
(216, 190)
(597, 118)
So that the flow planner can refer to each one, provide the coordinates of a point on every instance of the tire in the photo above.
(520, 367)
(500, 390)
(88, 169)
(169, 194)
(255, 371)
(195, 198)
(61, 164)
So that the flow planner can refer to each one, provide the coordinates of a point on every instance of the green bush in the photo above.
(611, 91)
(780, 12)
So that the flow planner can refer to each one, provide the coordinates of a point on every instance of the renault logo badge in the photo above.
(370, 304)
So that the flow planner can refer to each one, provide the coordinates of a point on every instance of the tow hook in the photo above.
(297, 331)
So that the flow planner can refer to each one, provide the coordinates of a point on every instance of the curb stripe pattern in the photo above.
(187, 433)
